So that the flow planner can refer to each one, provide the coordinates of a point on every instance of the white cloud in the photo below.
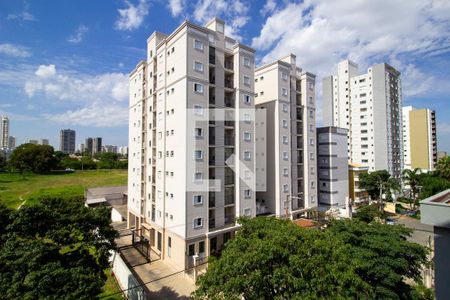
(321, 33)
(235, 12)
(176, 7)
(23, 16)
(94, 100)
(45, 71)
(77, 37)
(269, 7)
(132, 17)
(14, 50)
(93, 115)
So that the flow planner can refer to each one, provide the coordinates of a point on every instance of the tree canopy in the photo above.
(56, 249)
(442, 167)
(34, 158)
(377, 183)
(275, 259)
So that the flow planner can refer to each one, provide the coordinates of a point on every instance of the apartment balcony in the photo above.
(212, 55)
(212, 223)
(229, 200)
(229, 102)
(228, 153)
(212, 97)
(212, 76)
(229, 141)
(212, 199)
(229, 84)
(228, 66)
(229, 123)
(212, 139)
(299, 129)
(229, 180)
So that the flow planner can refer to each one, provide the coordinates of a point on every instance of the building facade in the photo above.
(369, 106)
(67, 141)
(110, 148)
(4, 132)
(332, 166)
(88, 145)
(189, 157)
(44, 142)
(286, 95)
(419, 138)
(12, 142)
(96, 145)
(356, 193)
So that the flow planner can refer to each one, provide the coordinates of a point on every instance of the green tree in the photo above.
(34, 158)
(432, 184)
(412, 178)
(370, 212)
(382, 256)
(442, 167)
(275, 259)
(57, 249)
(378, 183)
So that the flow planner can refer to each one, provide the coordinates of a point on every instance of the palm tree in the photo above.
(412, 178)
(443, 167)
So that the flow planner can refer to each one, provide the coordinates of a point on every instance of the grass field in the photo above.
(111, 288)
(16, 190)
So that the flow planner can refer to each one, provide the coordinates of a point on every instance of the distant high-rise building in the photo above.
(67, 141)
(96, 145)
(110, 148)
(88, 146)
(4, 132)
(419, 138)
(43, 142)
(332, 166)
(81, 148)
(32, 141)
(370, 107)
(12, 142)
(123, 150)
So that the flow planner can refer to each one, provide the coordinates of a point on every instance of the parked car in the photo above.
(391, 221)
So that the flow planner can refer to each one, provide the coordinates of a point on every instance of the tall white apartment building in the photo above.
(419, 138)
(369, 106)
(188, 156)
(4, 132)
(287, 95)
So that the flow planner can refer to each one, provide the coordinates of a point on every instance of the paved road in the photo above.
(421, 233)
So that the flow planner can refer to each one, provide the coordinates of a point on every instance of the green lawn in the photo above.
(111, 288)
(16, 189)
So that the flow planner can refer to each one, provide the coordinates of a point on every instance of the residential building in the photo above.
(96, 145)
(32, 141)
(187, 152)
(332, 166)
(67, 141)
(4, 132)
(287, 96)
(356, 193)
(110, 148)
(435, 211)
(12, 142)
(369, 106)
(123, 150)
(81, 148)
(88, 146)
(419, 138)
(441, 154)
(43, 142)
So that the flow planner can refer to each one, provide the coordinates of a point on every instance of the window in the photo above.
(311, 156)
(284, 92)
(198, 154)
(284, 76)
(169, 246)
(311, 85)
(285, 155)
(285, 107)
(198, 88)
(198, 199)
(285, 172)
(201, 245)
(247, 193)
(247, 155)
(198, 66)
(285, 140)
(311, 142)
(247, 118)
(247, 80)
(247, 136)
(198, 176)
(311, 114)
(285, 188)
(198, 223)
(198, 109)
(198, 45)
(198, 132)
(285, 123)
(247, 99)
(246, 61)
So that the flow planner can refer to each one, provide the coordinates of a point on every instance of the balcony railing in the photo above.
(229, 220)
(229, 65)
(229, 84)
(229, 199)
(229, 180)
(229, 141)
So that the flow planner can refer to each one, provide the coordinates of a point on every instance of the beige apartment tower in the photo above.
(191, 142)
(419, 138)
(286, 162)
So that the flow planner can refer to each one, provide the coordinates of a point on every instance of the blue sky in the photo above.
(64, 64)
